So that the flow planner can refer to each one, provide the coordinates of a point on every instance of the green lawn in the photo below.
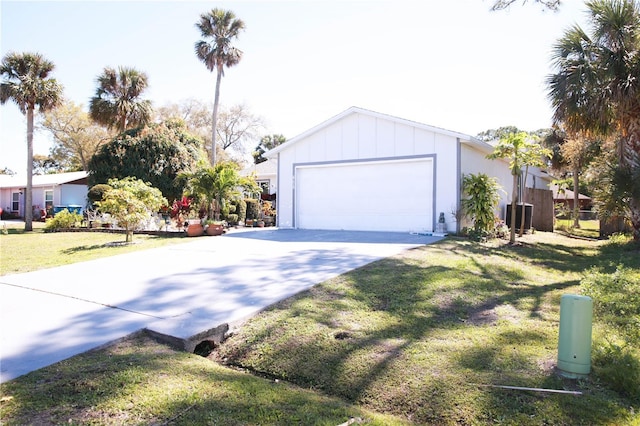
(587, 229)
(417, 338)
(28, 251)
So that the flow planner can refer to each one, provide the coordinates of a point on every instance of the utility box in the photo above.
(574, 339)
(528, 216)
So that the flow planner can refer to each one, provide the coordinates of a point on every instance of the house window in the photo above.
(15, 201)
(48, 199)
(264, 184)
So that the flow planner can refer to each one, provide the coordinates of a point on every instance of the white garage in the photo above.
(365, 195)
(362, 170)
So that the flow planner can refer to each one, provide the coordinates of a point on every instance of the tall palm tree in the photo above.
(521, 151)
(26, 83)
(117, 103)
(220, 28)
(596, 88)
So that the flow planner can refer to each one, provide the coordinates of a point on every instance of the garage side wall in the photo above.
(473, 161)
(360, 137)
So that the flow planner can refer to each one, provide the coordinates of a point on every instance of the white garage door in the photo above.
(366, 196)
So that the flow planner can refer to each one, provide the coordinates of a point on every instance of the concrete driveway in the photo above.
(186, 291)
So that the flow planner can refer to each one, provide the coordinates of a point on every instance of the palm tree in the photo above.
(596, 88)
(220, 27)
(25, 83)
(117, 102)
(522, 151)
(212, 186)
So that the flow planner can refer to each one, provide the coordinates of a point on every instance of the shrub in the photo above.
(242, 210)
(616, 303)
(253, 208)
(63, 219)
(96, 192)
(501, 230)
(482, 197)
(619, 367)
(616, 299)
(232, 219)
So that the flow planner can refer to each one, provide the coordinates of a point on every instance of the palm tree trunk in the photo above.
(214, 117)
(633, 162)
(576, 199)
(524, 210)
(514, 206)
(28, 196)
(634, 207)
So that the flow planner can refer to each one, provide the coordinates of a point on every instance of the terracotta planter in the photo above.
(195, 230)
(215, 229)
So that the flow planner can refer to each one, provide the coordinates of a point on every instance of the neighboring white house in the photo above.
(266, 175)
(362, 170)
(61, 189)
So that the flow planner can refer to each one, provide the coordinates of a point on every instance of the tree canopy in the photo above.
(548, 4)
(130, 202)
(156, 154)
(595, 90)
(117, 103)
(76, 137)
(267, 143)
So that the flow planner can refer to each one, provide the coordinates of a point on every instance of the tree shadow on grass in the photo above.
(85, 248)
(94, 386)
(363, 336)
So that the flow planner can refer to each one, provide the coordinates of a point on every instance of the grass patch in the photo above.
(416, 335)
(411, 339)
(140, 381)
(588, 228)
(29, 251)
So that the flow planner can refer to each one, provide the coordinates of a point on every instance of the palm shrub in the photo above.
(482, 198)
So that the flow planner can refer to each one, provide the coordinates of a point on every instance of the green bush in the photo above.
(482, 197)
(616, 304)
(63, 219)
(242, 210)
(619, 367)
(232, 219)
(616, 300)
(96, 192)
(253, 208)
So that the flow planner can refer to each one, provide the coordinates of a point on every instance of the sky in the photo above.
(452, 64)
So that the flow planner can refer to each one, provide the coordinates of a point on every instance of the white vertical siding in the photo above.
(359, 136)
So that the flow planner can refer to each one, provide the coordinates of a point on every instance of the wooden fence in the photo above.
(543, 210)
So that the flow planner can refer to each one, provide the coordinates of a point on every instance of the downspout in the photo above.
(277, 190)
(458, 182)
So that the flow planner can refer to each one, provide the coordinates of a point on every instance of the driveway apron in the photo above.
(180, 290)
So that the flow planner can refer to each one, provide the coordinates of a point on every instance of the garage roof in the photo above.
(466, 139)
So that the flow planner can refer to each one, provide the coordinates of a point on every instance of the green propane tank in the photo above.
(574, 340)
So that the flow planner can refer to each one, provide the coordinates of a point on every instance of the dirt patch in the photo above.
(483, 317)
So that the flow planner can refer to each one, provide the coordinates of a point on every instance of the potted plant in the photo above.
(214, 227)
(194, 226)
